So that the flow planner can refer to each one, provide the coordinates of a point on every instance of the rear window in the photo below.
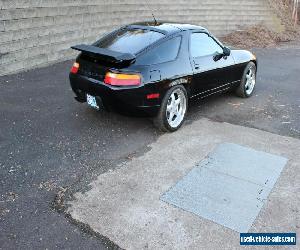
(129, 40)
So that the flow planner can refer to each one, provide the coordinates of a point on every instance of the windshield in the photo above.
(129, 40)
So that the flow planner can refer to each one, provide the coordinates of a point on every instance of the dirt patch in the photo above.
(58, 203)
(262, 36)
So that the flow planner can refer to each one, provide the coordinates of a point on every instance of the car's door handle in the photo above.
(197, 66)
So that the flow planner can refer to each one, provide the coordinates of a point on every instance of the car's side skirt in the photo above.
(221, 88)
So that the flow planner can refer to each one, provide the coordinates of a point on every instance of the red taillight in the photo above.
(116, 79)
(75, 68)
(153, 96)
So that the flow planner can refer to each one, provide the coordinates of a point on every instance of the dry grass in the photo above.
(261, 36)
(258, 36)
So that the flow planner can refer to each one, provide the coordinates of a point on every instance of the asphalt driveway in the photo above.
(48, 142)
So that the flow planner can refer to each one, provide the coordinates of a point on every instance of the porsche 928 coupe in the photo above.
(157, 67)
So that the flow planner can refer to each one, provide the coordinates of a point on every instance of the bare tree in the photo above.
(295, 11)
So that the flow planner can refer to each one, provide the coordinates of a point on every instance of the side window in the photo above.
(203, 45)
(165, 52)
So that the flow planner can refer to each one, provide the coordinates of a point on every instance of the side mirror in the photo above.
(218, 56)
(226, 51)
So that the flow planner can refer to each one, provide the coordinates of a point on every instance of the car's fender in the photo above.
(242, 56)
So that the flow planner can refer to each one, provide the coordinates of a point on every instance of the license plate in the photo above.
(91, 101)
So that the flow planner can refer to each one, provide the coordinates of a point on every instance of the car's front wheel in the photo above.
(173, 109)
(248, 81)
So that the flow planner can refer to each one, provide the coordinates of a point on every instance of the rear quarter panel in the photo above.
(158, 78)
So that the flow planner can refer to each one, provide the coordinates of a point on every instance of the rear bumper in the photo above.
(129, 98)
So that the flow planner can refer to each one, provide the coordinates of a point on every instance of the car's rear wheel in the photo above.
(173, 109)
(248, 81)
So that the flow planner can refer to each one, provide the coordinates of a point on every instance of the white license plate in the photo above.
(91, 101)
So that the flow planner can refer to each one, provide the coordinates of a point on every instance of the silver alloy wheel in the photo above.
(250, 81)
(176, 108)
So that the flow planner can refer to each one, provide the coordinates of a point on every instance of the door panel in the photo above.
(204, 77)
(209, 75)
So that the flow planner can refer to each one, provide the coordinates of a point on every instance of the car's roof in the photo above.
(166, 27)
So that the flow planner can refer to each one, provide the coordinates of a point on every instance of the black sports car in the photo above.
(157, 67)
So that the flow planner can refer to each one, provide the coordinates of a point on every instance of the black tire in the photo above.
(241, 90)
(161, 120)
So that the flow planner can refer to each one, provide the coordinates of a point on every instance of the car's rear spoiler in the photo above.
(105, 54)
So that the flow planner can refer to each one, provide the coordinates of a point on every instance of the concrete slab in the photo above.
(229, 187)
(124, 205)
